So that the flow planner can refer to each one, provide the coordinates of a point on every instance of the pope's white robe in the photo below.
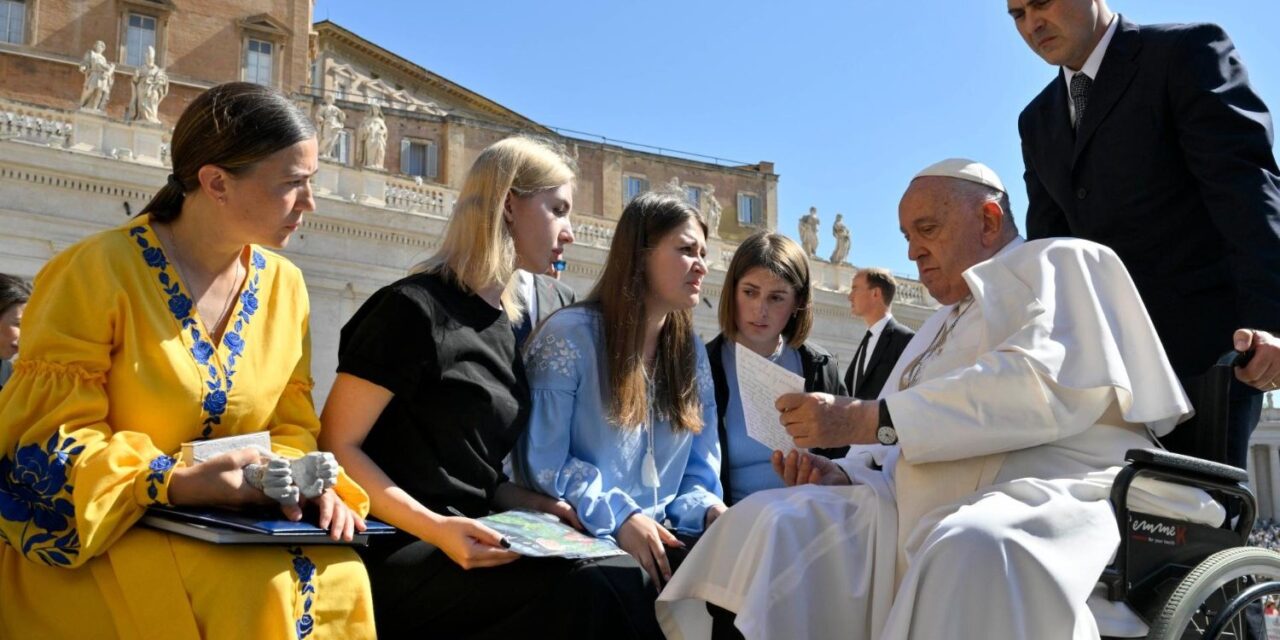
(990, 518)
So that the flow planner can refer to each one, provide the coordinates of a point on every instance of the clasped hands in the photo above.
(250, 477)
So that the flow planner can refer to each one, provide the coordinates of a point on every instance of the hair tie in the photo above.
(174, 182)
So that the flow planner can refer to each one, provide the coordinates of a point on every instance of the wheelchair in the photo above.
(1188, 580)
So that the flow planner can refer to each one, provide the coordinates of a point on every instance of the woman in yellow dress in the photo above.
(176, 326)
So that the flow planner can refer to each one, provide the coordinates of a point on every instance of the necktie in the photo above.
(1080, 84)
(860, 362)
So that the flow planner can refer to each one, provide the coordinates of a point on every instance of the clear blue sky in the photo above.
(848, 98)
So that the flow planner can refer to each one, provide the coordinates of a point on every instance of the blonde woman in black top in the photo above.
(431, 396)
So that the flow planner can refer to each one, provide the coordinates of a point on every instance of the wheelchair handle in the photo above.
(1233, 358)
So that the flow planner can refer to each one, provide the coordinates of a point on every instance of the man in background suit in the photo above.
(1151, 141)
(541, 295)
(870, 296)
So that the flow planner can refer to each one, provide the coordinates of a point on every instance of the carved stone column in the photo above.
(1251, 466)
(1274, 478)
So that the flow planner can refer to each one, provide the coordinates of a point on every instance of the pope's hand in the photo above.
(802, 467)
(824, 420)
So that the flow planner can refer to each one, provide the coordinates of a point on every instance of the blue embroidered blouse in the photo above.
(571, 451)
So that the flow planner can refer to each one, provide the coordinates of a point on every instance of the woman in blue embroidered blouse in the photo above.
(623, 419)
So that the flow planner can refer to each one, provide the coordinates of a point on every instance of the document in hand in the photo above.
(542, 535)
(221, 526)
(760, 382)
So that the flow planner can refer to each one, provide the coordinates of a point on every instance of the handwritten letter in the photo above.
(760, 382)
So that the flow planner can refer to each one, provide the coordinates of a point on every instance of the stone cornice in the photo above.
(340, 34)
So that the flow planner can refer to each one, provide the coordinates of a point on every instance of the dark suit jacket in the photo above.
(1172, 168)
(552, 295)
(880, 362)
(820, 370)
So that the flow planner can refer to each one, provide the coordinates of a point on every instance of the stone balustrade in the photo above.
(592, 234)
(34, 124)
(913, 292)
(418, 197)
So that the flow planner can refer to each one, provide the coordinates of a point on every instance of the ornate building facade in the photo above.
(75, 157)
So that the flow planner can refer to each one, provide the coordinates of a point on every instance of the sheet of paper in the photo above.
(760, 382)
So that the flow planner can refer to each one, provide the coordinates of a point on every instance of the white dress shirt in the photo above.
(1092, 64)
(875, 329)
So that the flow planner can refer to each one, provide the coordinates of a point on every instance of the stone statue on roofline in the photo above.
(841, 233)
(373, 138)
(329, 122)
(809, 232)
(99, 75)
(150, 86)
(711, 211)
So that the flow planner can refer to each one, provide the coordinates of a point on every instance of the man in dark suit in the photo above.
(541, 295)
(1151, 141)
(870, 296)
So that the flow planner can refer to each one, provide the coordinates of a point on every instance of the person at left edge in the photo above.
(14, 293)
(176, 326)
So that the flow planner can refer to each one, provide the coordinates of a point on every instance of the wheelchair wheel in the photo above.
(1213, 586)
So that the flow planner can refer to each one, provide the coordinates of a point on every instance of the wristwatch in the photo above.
(885, 433)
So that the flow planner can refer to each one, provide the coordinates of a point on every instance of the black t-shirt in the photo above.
(461, 397)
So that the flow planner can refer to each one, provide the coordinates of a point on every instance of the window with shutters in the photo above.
(750, 212)
(633, 186)
(342, 149)
(694, 196)
(419, 158)
(259, 61)
(139, 34)
(13, 21)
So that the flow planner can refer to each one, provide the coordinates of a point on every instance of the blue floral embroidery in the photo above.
(202, 351)
(215, 400)
(249, 302)
(235, 344)
(34, 491)
(180, 306)
(215, 403)
(155, 257)
(160, 467)
(306, 570)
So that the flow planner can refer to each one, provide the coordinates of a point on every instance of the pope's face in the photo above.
(944, 236)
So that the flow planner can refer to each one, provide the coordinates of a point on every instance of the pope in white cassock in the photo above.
(984, 512)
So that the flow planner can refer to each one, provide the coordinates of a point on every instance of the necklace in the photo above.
(911, 374)
(231, 290)
(649, 465)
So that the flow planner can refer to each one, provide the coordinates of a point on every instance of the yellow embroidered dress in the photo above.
(116, 372)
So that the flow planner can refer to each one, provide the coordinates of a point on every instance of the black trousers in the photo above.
(418, 592)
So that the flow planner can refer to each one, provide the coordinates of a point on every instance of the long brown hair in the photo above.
(785, 259)
(232, 126)
(621, 294)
